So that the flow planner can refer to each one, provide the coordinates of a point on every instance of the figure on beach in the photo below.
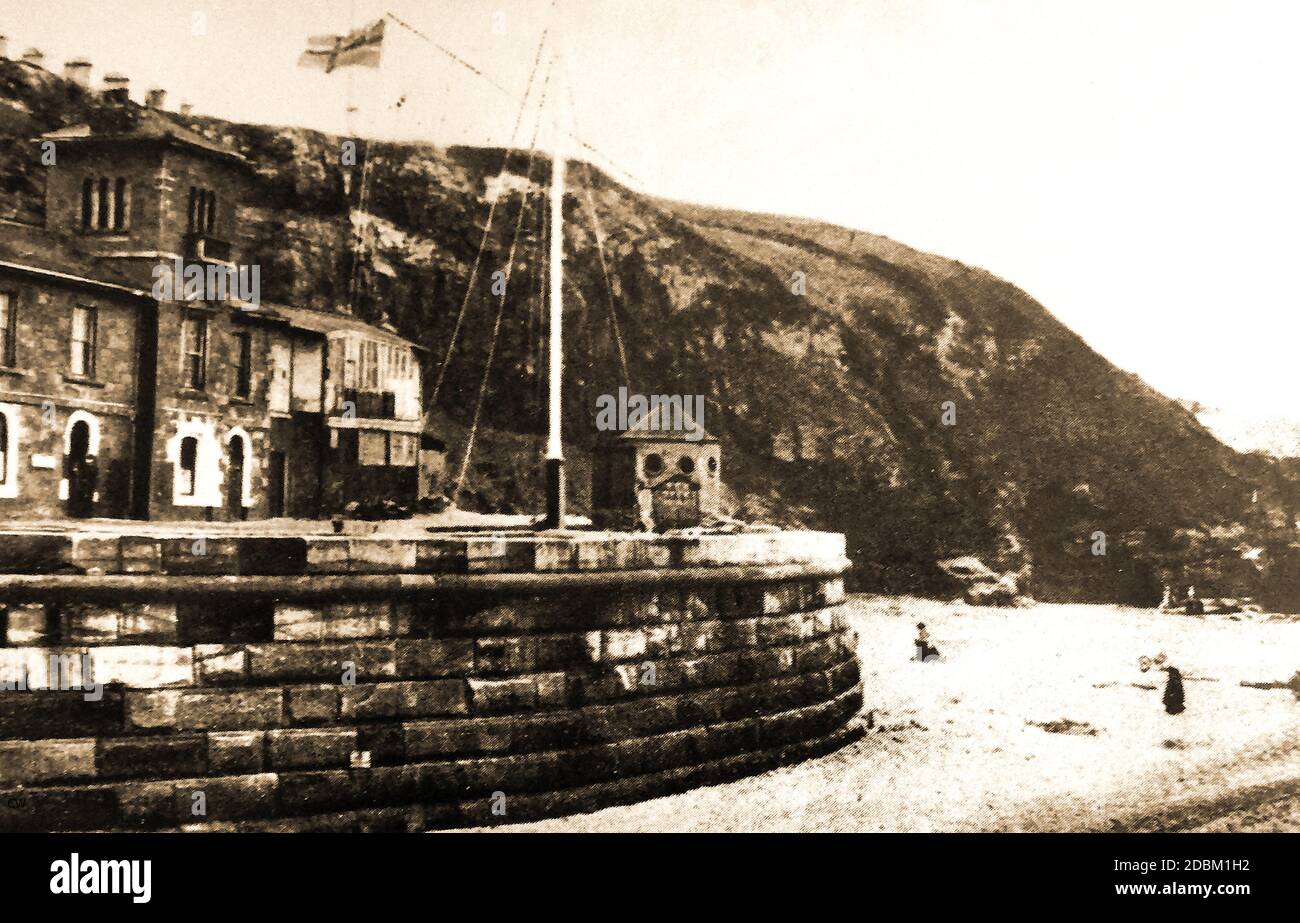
(1173, 698)
(924, 650)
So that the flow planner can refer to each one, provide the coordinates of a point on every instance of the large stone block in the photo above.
(427, 659)
(381, 556)
(323, 662)
(28, 625)
(493, 696)
(172, 755)
(93, 554)
(151, 622)
(220, 664)
(236, 752)
(314, 704)
(322, 748)
(223, 709)
(141, 666)
(326, 556)
(226, 798)
(433, 697)
(141, 554)
(199, 554)
(370, 701)
(504, 655)
(24, 762)
(335, 621)
(281, 556)
(34, 715)
(36, 553)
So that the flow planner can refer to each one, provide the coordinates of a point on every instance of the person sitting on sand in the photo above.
(924, 650)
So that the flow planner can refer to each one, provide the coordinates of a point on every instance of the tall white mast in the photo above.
(555, 499)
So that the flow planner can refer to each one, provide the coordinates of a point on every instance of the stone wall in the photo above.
(409, 684)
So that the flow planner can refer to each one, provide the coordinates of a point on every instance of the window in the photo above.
(372, 447)
(4, 449)
(202, 214)
(189, 463)
(87, 204)
(83, 341)
(101, 210)
(370, 366)
(654, 463)
(686, 464)
(119, 204)
(244, 370)
(105, 204)
(402, 449)
(195, 369)
(8, 329)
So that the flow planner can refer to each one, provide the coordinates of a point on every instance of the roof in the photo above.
(327, 322)
(71, 279)
(45, 254)
(662, 423)
(137, 123)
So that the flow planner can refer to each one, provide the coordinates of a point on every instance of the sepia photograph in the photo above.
(615, 417)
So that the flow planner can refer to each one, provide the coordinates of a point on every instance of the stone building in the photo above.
(142, 375)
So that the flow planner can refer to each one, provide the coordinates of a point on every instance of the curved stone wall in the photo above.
(382, 684)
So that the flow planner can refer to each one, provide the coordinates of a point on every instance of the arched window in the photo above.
(189, 463)
(193, 222)
(211, 216)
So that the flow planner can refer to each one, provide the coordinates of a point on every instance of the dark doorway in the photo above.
(81, 471)
(235, 479)
(275, 488)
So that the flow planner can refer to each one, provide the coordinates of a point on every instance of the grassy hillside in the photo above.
(828, 400)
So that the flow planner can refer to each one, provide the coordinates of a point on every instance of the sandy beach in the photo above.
(1033, 719)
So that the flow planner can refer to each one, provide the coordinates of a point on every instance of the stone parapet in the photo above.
(517, 677)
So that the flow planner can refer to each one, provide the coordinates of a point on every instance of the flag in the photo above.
(360, 48)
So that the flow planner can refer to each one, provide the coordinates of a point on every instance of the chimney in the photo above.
(77, 71)
(186, 109)
(34, 56)
(117, 88)
(4, 46)
(155, 98)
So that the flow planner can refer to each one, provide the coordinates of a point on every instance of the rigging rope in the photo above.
(470, 67)
(501, 301)
(487, 227)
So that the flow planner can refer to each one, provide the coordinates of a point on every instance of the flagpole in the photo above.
(555, 492)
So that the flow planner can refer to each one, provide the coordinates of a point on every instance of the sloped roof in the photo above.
(37, 252)
(657, 425)
(136, 123)
(333, 321)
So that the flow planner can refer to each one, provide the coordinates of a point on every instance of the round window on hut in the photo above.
(653, 464)
(687, 464)
(713, 465)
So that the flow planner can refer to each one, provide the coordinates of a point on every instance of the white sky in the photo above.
(1132, 164)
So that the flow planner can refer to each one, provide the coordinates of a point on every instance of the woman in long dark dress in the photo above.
(1174, 691)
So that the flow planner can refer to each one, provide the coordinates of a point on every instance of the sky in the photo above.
(1133, 165)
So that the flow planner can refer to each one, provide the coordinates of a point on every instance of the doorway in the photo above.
(235, 479)
(275, 484)
(81, 471)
